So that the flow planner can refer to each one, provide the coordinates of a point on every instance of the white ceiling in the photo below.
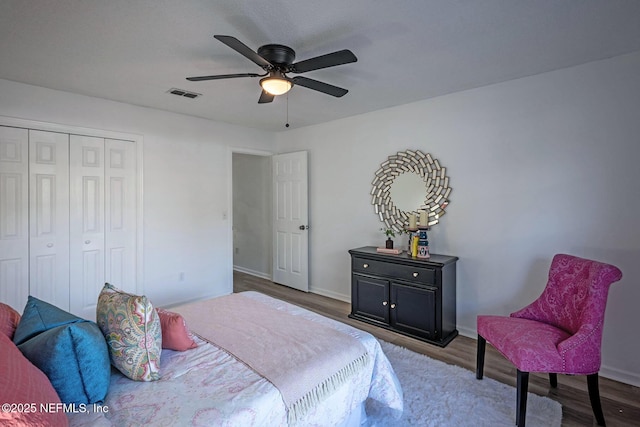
(134, 51)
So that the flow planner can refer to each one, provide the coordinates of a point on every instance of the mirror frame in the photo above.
(436, 182)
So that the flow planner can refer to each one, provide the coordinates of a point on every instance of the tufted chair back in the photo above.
(574, 300)
(558, 333)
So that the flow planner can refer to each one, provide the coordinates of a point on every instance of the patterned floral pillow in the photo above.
(131, 328)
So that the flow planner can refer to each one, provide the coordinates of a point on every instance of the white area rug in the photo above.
(437, 395)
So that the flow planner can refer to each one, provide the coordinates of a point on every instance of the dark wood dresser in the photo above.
(412, 296)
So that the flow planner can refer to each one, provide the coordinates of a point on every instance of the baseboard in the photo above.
(330, 294)
(619, 375)
(200, 298)
(466, 332)
(252, 272)
(631, 378)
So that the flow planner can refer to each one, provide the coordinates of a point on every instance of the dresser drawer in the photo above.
(408, 273)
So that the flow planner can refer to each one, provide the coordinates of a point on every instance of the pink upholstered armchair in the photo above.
(559, 333)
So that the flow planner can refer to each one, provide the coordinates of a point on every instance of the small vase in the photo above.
(389, 243)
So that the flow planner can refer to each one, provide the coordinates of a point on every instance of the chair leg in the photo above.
(482, 343)
(594, 396)
(553, 379)
(521, 397)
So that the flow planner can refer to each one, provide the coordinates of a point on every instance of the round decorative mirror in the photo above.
(410, 182)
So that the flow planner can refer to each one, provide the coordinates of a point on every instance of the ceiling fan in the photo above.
(277, 60)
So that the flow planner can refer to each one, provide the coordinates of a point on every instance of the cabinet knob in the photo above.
(365, 265)
(384, 303)
(415, 274)
(393, 306)
(86, 242)
(49, 245)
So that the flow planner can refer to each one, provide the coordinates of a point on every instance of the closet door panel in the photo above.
(120, 199)
(14, 217)
(49, 217)
(87, 234)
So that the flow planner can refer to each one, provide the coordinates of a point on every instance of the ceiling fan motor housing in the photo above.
(277, 54)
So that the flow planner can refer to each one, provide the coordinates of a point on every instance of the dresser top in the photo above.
(371, 252)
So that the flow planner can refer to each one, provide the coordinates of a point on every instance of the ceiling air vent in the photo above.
(185, 93)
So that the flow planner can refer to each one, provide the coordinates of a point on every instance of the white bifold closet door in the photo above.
(67, 218)
(14, 216)
(49, 217)
(102, 217)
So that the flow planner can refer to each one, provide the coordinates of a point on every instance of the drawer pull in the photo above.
(384, 303)
(415, 274)
(365, 265)
(393, 306)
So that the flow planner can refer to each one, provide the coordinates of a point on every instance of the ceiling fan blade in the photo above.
(329, 60)
(265, 97)
(223, 76)
(244, 50)
(320, 87)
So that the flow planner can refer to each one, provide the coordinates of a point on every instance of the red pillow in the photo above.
(24, 387)
(9, 319)
(175, 335)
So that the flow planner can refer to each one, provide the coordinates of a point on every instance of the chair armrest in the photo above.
(581, 352)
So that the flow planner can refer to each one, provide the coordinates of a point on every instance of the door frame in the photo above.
(228, 214)
(100, 133)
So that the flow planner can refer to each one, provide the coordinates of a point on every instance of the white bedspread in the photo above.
(206, 386)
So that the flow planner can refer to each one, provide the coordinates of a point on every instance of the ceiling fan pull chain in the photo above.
(287, 124)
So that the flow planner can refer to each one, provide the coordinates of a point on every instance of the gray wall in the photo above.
(186, 184)
(538, 166)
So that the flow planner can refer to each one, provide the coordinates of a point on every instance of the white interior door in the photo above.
(14, 216)
(87, 223)
(120, 215)
(49, 217)
(291, 219)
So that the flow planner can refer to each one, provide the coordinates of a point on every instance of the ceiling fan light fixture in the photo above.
(276, 84)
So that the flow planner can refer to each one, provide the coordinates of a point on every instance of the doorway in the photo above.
(252, 230)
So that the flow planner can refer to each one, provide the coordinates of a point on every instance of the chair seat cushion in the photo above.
(531, 346)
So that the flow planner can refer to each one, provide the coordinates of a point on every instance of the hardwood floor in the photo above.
(620, 402)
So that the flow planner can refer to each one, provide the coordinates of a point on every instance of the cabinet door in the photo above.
(413, 310)
(14, 217)
(370, 298)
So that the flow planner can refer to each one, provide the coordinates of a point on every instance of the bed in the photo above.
(209, 386)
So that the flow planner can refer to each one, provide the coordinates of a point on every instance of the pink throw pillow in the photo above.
(175, 334)
(23, 387)
(9, 319)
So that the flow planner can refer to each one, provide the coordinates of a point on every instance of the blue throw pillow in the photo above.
(71, 351)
